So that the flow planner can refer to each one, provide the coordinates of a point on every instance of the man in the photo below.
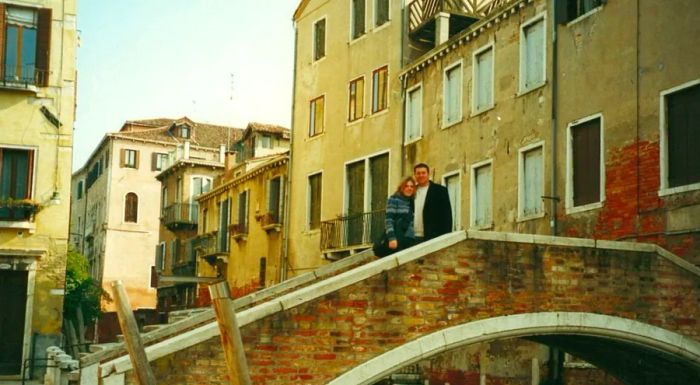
(433, 213)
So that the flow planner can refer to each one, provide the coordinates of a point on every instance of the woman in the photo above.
(398, 234)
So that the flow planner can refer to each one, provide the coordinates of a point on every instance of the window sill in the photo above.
(679, 189)
(21, 225)
(535, 87)
(525, 218)
(584, 16)
(19, 87)
(240, 236)
(579, 209)
(482, 111)
(319, 60)
(357, 39)
(311, 232)
(450, 124)
(355, 122)
(276, 227)
(414, 140)
(488, 226)
(310, 138)
(381, 112)
(378, 28)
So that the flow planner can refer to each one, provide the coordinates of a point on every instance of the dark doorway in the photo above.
(13, 299)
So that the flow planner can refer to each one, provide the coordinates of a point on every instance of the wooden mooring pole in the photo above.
(130, 330)
(230, 334)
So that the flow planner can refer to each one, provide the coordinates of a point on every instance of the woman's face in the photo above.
(408, 189)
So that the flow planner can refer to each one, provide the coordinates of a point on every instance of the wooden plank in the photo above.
(130, 330)
(230, 334)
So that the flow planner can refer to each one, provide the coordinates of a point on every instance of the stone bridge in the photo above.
(631, 309)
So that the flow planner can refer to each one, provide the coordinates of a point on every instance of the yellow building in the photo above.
(241, 219)
(346, 121)
(37, 110)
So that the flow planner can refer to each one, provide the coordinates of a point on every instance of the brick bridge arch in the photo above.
(315, 334)
(621, 344)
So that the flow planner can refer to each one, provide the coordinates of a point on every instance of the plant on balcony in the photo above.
(14, 208)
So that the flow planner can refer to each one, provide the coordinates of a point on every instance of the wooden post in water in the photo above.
(230, 334)
(130, 330)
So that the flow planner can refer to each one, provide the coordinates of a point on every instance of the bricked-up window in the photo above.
(452, 95)
(25, 36)
(414, 106)
(129, 158)
(316, 118)
(319, 39)
(356, 103)
(586, 162)
(532, 53)
(380, 86)
(131, 208)
(683, 136)
(531, 182)
(357, 18)
(481, 196)
(568, 10)
(381, 12)
(483, 79)
(314, 202)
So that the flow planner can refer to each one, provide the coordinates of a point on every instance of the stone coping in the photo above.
(360, 273)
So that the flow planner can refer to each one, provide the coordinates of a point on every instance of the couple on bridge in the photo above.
(419, 210)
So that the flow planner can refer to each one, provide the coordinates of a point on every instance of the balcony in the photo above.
(184, 263)
(26, 77)
(180, 216)
(238, 230)
(462, 13)
(271, 221)
(351, 232)
(209, 246)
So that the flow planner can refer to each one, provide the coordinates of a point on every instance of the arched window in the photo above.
(131, 208)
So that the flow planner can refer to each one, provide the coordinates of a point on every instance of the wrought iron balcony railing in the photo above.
(352, 230)
(238, 230)
(23, 77)
(180, 216)
(208, 245)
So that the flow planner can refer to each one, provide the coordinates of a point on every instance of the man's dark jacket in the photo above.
(437, 212)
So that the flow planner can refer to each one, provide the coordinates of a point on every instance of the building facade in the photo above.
(116, 205)
(241, 219)
(38, 41)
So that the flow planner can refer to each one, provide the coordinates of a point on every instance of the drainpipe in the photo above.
(554, 197)
(288, 188)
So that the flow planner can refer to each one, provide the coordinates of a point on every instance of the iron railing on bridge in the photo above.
(179, 215)
(422, 11)
(352, 230)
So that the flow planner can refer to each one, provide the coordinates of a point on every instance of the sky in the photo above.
(226, 62)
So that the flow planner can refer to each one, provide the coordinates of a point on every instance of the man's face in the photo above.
(421, 175)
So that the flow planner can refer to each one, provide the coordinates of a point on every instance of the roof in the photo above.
(300, 9)
(267, 128)
(203, 134)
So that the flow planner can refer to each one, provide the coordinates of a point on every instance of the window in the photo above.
(319, 39)
(454, 190)
(175, 254)
(200, 185)
(452, 95)
(265, 141)
(129, 158)
(532, 53)
(262, 272)
(16, 176)
(585, 172)
(365, 192)
(313, 214)
(274, 199)
(680, 137)
(243, 212)
(569, 10)
(481, 195)
(27, 34)
(185, 131)
(158, 161)
(356, 106)
(483, 79)
(380, 83)
(414, 106)
(358, 18)
(160, 257)
(222, 234)
(381, 12)
(164, 199)
(79, 193)
(131, 208)
(531, 181)
(316, 119)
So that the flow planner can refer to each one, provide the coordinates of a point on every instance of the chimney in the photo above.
(442, 28)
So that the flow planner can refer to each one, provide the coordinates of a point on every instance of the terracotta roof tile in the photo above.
(203, 134)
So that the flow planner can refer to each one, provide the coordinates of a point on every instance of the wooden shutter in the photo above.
(154, 160)
(43, 46)
(122, 157)
(2, 41)
(315, 183)
(379, 174)
(586, 162)
(136, 159)
(262, 271)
